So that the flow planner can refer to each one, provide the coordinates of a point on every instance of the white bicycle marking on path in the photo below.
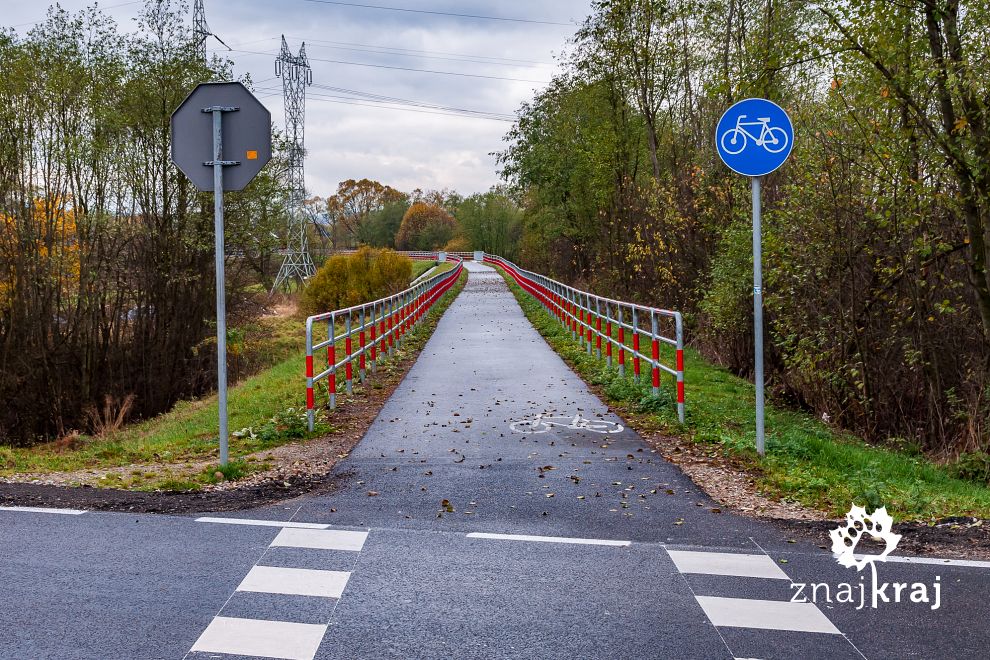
(543, 423)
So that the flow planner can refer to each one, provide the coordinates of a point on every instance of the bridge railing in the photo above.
(378, 328)
(618, 325)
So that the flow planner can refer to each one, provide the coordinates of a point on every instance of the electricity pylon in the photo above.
(296, 75)
(201, 30)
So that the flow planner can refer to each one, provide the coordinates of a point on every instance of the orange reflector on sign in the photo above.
(252, 155)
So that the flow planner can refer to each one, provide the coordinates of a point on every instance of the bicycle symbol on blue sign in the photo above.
(754, 137)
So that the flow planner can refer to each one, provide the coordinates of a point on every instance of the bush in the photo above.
(346, 280)
(459, 244)
(425, 227)
(973, 466)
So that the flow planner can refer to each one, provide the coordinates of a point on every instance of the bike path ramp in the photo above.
(447, 434)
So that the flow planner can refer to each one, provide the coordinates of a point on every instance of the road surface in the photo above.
(454, 536)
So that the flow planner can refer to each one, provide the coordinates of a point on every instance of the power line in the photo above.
(379, 50)
(404, 68)
(398, 105)
(389, 105)
(424, 104)
(385, 50)
(378, 98)
(437, 13)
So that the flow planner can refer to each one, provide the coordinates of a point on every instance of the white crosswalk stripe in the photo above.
(727, 563)
(766, 614)
(286, 640)
(295, 581)
(329, 539)
(259, 638)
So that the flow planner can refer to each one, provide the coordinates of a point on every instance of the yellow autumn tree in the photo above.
(46, 240)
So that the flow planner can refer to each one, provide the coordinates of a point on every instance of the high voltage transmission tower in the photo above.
(296, 75)
(201, 30)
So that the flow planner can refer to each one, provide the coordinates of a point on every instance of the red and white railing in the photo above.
(378, 327)
(618, 325)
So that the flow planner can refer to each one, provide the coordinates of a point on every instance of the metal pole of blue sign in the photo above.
(758, 313)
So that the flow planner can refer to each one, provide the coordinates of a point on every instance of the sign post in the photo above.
(754, 137)
(199, 134)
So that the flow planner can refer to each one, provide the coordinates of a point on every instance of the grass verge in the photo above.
(806, 461)
(178, 450)
(420, 267)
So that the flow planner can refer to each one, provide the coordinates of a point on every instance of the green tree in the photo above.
(425, 227)
(492, 222)
(382, 226)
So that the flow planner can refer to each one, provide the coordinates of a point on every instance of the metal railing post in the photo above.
(622, 342)
(586, 326)
(608, 331)
(383, 346)
(332, 361)
(580, 319)
(572, 313)
(348, 346)
(680, 366)
(635, 338)
(598, 326)
(309, 375)
(391, 326)
(362, 363)
(374, 337)
(655, 352)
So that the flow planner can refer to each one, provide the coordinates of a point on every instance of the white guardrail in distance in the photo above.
(585, 313)
(384, 321)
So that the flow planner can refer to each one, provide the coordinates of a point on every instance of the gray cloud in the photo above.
(402, 148)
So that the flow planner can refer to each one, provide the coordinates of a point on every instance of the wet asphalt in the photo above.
(443, 461)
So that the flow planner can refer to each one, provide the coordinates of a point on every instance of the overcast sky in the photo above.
(404, 148)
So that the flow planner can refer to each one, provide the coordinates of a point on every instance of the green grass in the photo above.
(420, 267)
(264, 411)
(806, 461)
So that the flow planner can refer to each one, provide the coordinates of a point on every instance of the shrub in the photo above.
(363, 276)
(425, 227)
(459, 244)
(973, 466)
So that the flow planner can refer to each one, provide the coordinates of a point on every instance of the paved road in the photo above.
(457, 537)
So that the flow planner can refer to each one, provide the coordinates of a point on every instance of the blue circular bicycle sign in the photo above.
(754, 137)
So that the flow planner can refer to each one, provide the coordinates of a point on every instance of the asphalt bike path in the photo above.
(452, 481)
(493, 510)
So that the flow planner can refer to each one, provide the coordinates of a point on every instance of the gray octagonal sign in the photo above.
(247, 135)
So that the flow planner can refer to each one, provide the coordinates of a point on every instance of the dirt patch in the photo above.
(103, 499)
(952, 538)
(725, 480)
(299, 468)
